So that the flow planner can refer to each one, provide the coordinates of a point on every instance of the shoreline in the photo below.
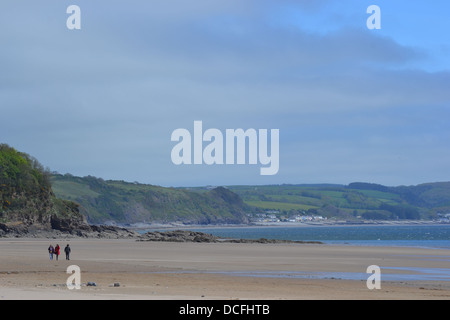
(262, 233)
(205, 233)
(162, 226)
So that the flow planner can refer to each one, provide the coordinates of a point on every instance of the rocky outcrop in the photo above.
(81, 228)
(178, 236)
(58, 219)
(64, 228)
(193, 236)
(110, 232)
(67, 225)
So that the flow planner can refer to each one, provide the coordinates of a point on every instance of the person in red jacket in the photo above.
(57, 248)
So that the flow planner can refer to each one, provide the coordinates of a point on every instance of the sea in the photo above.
(423, 236)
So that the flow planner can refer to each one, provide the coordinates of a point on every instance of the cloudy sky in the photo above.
(351, 104)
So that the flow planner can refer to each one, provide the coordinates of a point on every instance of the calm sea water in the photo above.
(426, 236)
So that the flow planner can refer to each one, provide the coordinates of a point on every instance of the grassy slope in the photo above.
(130, 202)
(125, 202)
(366, 200)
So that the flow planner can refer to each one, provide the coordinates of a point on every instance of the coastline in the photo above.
(165, 270)
(424, 235)
(334, 223)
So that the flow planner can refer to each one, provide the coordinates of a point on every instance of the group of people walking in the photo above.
(55, 251)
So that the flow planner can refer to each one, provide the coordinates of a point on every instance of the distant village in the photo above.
(443, 217)
(271, 216)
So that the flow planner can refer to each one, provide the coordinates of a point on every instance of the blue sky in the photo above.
(351, 104)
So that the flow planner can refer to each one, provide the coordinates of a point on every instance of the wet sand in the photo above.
(164, 270)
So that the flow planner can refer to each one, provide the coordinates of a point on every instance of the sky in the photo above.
(350, 103)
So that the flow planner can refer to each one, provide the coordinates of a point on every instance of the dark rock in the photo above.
(65, 225)
(192, 236)
(60, 227)
(178, 236)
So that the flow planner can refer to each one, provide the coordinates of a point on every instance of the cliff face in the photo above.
(27, 202)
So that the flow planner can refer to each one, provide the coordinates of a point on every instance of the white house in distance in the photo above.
(307, 218)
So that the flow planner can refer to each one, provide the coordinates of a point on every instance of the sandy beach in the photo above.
(211, 271)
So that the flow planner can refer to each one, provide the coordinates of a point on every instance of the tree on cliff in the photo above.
(21, 177)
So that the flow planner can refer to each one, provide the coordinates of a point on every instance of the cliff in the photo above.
(28, 206)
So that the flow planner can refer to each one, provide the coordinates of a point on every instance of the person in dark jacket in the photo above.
(51, 251)
(67, 250)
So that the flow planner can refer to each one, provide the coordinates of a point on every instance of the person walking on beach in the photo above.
(57, 251)
(51, 250)
(67, 250)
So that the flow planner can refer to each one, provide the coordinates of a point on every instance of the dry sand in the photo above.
(157, 270)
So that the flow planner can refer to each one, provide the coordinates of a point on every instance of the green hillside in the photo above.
(127, 203)
(353, 201)
(30, 195)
